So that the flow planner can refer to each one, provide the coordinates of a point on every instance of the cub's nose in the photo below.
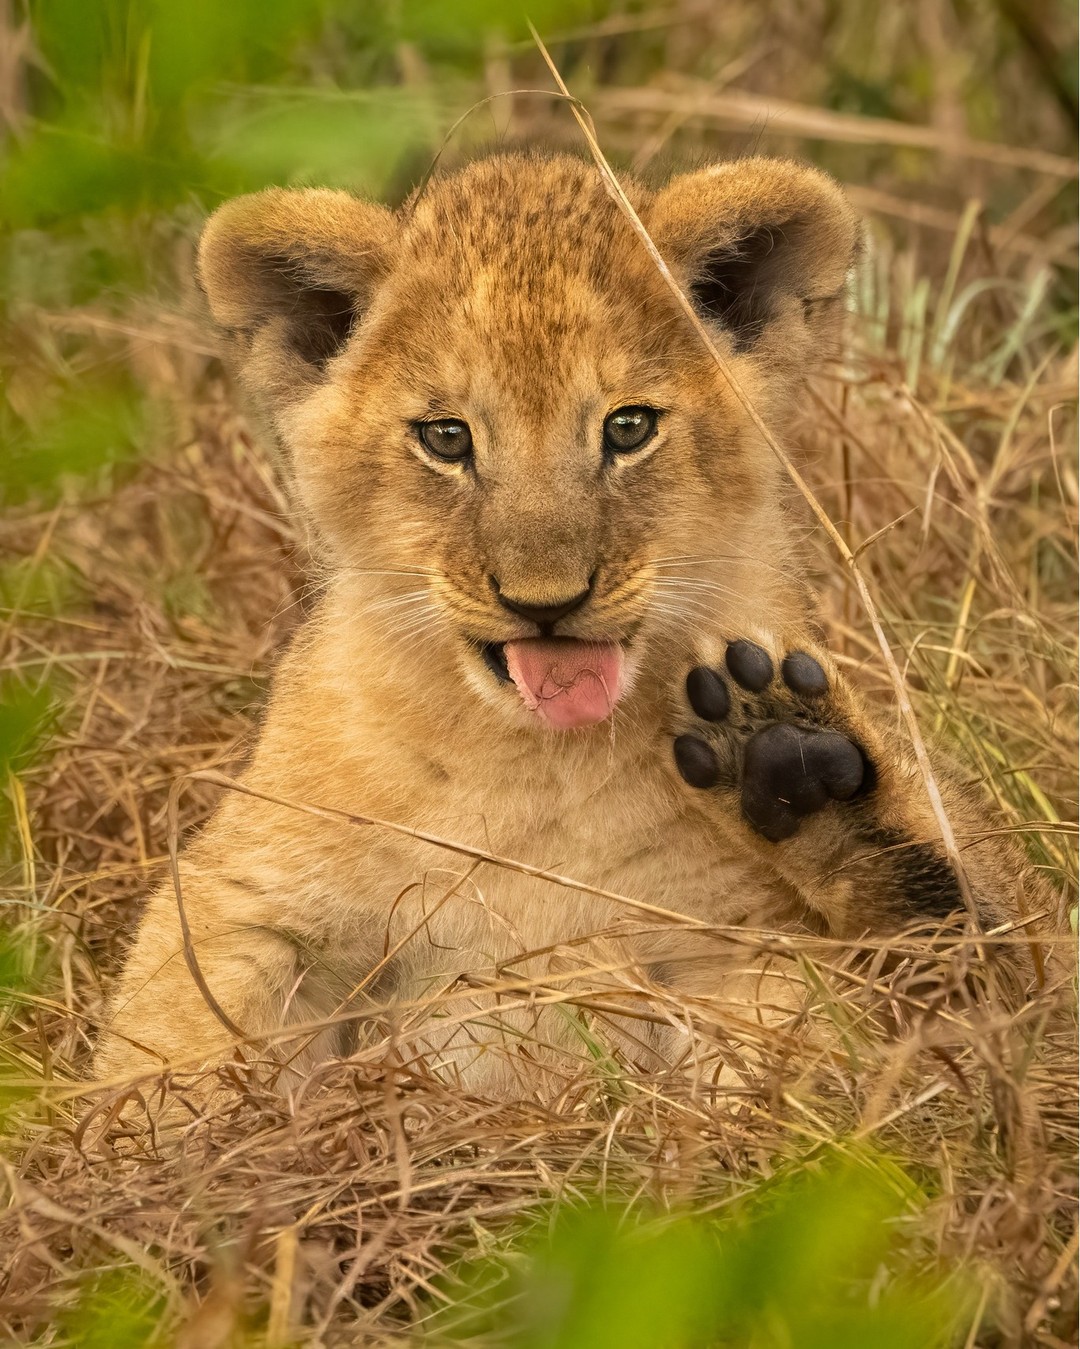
(544, 614)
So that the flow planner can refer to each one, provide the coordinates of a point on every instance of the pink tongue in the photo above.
(567, 682)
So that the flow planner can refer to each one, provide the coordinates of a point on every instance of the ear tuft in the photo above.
(300, 264)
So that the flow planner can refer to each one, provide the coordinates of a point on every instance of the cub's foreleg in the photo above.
(160, 1017)
(773, 738)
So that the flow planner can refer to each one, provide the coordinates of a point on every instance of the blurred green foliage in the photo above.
(17, 1092)
(141, 115)
(29, 712)
(814, 1260)
(117, 1309)
(43, 586)
(152, 102)
(71, 430)
(27, 715)
(14, 979)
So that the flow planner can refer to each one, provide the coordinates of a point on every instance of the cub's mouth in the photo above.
(565, 681)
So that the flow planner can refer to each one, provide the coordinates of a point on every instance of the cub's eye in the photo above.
(629, 429)
(449, 439)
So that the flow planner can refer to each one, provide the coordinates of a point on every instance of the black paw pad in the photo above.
(749, 665)
(696, 761)
(708, 694)
(802, 674)
(789, 773)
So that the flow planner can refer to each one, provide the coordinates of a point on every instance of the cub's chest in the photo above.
(594, 816)
(633, 835)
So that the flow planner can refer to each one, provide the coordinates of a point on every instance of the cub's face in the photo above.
(502, 424)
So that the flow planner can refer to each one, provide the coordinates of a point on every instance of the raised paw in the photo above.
(783, 741)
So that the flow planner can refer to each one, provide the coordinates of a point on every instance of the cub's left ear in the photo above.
(764, 247)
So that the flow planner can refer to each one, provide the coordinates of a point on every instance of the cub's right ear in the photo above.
(289, 273)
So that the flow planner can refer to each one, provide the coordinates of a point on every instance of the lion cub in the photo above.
(565, 623)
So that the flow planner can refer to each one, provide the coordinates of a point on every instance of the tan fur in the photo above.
(516, 296)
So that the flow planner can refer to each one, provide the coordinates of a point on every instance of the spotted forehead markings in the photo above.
(504, 394)
(483, 288)
(497, 288)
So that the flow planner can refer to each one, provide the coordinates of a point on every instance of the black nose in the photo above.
(544, 614)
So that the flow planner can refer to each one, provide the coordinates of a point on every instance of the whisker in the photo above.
(415, 626)
(700, 588)
(740, 555)
(398, 601)
(376, 571)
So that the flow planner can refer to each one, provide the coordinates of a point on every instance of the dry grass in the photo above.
(943, 451)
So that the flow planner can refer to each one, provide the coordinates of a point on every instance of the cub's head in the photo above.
(513, 444)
